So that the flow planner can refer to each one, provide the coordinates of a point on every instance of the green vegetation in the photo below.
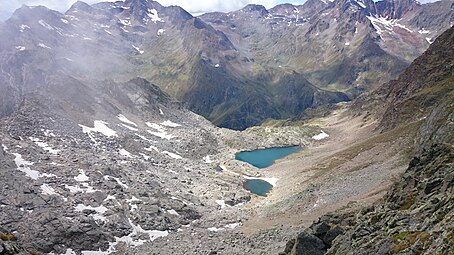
(404, 240)
(7, 237)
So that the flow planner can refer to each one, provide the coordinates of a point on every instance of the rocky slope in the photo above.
(415, 216)
(89, 166)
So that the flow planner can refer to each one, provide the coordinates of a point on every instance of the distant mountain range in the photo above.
(236, 69)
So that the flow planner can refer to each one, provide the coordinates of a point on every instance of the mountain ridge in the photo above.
(168, 46)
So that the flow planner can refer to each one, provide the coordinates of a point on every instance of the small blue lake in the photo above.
(257, 186)
(265, 157)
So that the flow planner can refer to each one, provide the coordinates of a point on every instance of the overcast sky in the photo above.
(193, 6)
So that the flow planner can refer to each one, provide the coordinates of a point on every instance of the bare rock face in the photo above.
(315, 240)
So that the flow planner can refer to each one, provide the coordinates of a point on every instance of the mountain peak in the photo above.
(251, 8)
(26, 12)
(144, 4)
(393, 9)
(80, 6)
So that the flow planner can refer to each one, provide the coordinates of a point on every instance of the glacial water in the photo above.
(257, 186)
(265, 157)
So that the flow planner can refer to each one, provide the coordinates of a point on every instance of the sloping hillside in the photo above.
(415, 216)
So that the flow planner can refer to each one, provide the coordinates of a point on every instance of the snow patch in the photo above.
(48, 190)
(153, 14)
(42, 45)
(44, 146)
(82, 177)
(132, 203)
(48, 133)
(123, 118)
(228, 226)
(107, 177)
(23, 27)
(44, 24)
(155, 126)
(125, 153)
(217, 65)
(69, 252)
(76, 189)
(173, 212)
(73, 189)
(100, 127)
(145, 157)
(207, 159)
(23, 166)
(423, 31)
(64, 21)
(144, 138)
(172, 155)
(320, 136)
(169, 123)
(129, 127)
(360, 4)
(138, 50)
(270, 180)
(162, 133)
(100, 210)
(215, 229)
(151, 148)
(125, 22)
(222, 203)
(161, 31)
(232, 225)
(20, 48)
(386, 24)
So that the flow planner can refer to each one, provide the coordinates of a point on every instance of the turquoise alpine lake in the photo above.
(262, 158)
(257, 186)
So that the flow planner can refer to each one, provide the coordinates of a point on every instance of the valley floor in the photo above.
(352, 168)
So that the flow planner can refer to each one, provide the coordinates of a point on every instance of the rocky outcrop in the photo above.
(416, 215)
(314, 241)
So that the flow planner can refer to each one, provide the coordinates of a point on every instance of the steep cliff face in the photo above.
(416, 215)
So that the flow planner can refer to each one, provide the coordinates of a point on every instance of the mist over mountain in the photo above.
(233, 68)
